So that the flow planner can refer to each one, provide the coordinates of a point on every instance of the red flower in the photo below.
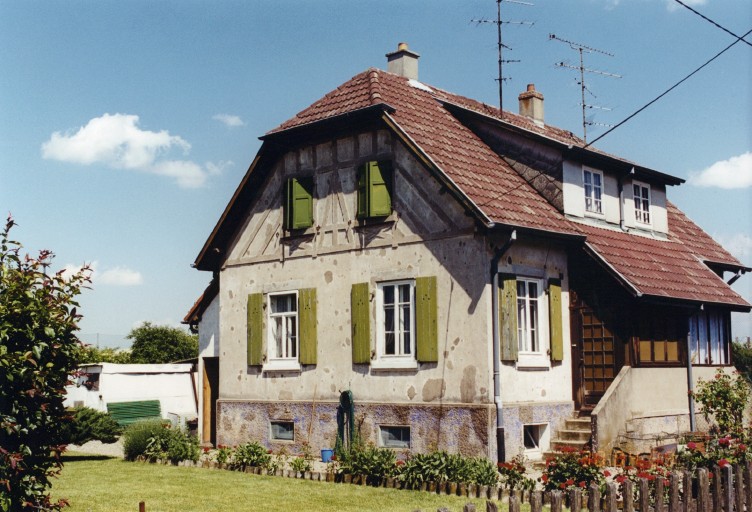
(606, 473)
(691, 445)
(562, 486)
(621, 478)
(334, 457)
(269, 452)
(570, 481)
(544, 478)
(400, 462)
(742, 447)
(206, 449)
(723, 463)
(582, 484)
(724, 441)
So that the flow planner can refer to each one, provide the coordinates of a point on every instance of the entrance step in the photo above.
(575, 434)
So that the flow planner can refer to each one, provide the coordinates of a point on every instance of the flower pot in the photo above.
(326, 454)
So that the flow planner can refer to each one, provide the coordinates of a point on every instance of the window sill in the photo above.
(375, 221)
(282, 367)
(394, 365)
(533, 362)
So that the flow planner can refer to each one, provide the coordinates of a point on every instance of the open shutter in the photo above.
(379, 187)
(554, 320)
(508, 316)
(299, 203)
(255, 328)
(361, 323)
(307, 314)
(363, 191)
(426, 316)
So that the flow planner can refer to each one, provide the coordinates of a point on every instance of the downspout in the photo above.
(498, 254)
(690, 382)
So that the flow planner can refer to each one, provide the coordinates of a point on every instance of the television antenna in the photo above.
(500, 44)
(582, 49)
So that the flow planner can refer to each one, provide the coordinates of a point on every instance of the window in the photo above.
(394, 437)
(528, 313)
(593, 183)
(282, 430)
(298, 203)
(536, 439)
(396, 322)
(283, 327)
(641, 194)
(709, 336)
(374, 189)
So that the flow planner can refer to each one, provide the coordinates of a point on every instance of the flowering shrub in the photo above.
(224, 454)
(723, 400)
(513, 475)
(572, 468)
(719, 451)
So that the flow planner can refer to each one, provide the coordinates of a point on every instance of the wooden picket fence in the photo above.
(727, 489)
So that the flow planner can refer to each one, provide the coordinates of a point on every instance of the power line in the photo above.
(713, 22)
(738, 38)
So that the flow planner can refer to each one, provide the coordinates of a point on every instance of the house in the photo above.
(475, 279)
(135, 391)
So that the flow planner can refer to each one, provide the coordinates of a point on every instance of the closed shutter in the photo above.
(379, 189)
(255, 328)
(426, 316)
(308, 326)
(361, 323)
(508, 317)
(299, 203)
(554, 317)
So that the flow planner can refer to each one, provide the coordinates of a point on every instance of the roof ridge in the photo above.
(374, 86)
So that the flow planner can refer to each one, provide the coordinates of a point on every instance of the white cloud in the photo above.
(736, 172)
(673, 6)
(116, 141)
(229, 120)
(739, 244)
(119, 276)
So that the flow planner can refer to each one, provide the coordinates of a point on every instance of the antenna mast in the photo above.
(581, 48)
(499, 22)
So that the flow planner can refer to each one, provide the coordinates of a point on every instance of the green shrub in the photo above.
(741, 354)
(483, 471)
(251, 455)
(376, 463)
(88, 424)
(172, 444)
(723, 399)
(572, 468)
(300, 464)
(513, 477)
(136, 437)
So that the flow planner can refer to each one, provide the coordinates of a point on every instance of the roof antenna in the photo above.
(501, 46)
(581, 48)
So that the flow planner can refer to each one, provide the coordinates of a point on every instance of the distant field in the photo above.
(96, 483)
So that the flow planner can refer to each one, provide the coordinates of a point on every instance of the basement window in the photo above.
(283, 431)
(394, 436)
(535, 439)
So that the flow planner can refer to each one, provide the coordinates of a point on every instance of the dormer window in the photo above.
(593, 185)
(641, 194)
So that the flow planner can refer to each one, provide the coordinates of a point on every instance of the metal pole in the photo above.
(501, 78)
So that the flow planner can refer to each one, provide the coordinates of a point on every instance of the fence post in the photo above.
(687, 491)
(536, 501)
(644, 495)
(469, 507)
(673, 493)
(717, 489)
(491, 506)
(748, 485)
(575, 500)
(728, 489)
(660, 506)
(556, 500)
(141, 506)
(594, 498)
(628, 493)
(739, 486)
(611, 492)
(514, 503)
(703, 490)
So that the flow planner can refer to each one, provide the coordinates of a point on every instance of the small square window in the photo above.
(283, 430)
(535, 438)
(394, 437)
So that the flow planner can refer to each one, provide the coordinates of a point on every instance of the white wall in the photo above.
(208, 346)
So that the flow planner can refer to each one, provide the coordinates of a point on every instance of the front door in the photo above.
(210, 395)
(594, 355)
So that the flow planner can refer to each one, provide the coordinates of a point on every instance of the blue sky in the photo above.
(126, 126)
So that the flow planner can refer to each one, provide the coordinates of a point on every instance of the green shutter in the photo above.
(126, 413)
(255, 328)
(374, 189)
(299, 203)
(508, 317)
(307, 314)
(554, 317)
(361, 323)
(426, 319)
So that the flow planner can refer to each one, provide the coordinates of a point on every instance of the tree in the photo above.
(161, 344)
(742, 358)
(89, 354)
(38, 355)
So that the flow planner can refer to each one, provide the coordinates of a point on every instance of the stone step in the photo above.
(558, 444)
(573, 435)
(577, 424)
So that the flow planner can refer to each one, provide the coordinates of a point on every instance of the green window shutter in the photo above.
(307, 326)
(374, 189)
(554, 318)
(255, 328)
(299, 203)
(426, 319)
(508, 317)
(360, 308)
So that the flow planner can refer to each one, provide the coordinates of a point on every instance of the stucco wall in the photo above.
(208, 346)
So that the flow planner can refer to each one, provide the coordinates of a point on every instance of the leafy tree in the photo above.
(723, 399)
(161, 344)
(742, 357)
(38, 354)
(89, 354)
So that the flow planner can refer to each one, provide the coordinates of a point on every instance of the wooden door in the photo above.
(210, 395)
(594, 356)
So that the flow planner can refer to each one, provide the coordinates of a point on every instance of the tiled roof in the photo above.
(663, 268)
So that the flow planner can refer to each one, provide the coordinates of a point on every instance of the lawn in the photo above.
(96, 483)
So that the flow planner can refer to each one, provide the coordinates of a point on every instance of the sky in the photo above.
(125, 126)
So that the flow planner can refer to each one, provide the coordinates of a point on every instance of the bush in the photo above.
(571, 469)
(376, 463)
(251, 455)
(172, 444)
(136, 437)
(513, 475)
(723, 399)
(741, 354)
(88, 424)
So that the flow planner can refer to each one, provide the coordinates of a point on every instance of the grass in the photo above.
(97, 483)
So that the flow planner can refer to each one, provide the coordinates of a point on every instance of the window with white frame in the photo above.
(593, 185)
(283, 327)
(396, 321)
(394, 436)
(529, 302)
(641, 194)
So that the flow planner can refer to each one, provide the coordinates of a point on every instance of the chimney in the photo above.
(531, 104)
(403, 62)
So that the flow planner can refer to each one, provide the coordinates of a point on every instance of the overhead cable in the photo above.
(712, 22)
(677, 84)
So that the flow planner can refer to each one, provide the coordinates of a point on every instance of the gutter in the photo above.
(496, 340)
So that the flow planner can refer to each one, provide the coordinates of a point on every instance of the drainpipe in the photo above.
(690, 382)
(498, 254)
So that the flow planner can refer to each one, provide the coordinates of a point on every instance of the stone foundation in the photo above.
(516, 415)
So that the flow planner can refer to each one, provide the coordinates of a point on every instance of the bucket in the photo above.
(326, 455)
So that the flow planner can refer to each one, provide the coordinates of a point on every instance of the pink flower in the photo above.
(724, 441)
(691, 445)
(742, 447)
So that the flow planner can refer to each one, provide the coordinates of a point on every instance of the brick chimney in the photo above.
(403, 62)
(531, 104)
